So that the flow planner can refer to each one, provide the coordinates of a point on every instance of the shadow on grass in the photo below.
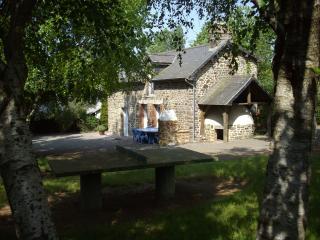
(231, 217)
(222, 218)
(313, 231)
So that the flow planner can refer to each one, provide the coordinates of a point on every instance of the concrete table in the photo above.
(90, 167)
(164, 160)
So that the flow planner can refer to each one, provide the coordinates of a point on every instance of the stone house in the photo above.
(210, 102)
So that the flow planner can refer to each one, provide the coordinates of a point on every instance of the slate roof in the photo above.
(193, 59)
(163, 58)
(226, 91)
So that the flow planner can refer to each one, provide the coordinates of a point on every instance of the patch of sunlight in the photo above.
(69, 184)
(229, 211)
(220, 172)
(153, 228)
(147, 228)
(312, 235)
(3, 196)
(43, 164)
(238, 234)
(138, 225)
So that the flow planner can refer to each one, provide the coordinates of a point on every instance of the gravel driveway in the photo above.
(93, 142)
(83, 142)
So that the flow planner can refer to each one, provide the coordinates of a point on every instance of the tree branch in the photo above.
(2, 67)
(3, 4)
(3, 97)
(267, 13)
(21, 13)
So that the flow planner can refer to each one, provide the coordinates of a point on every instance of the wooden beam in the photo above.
(246, 104)
(249, 96)
(202, 118)
(225, 116)
(269, 123)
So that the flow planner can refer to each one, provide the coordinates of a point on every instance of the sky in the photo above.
(192, 33)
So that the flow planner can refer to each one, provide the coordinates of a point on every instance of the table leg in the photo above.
(149, 138)
(90, 191)
(165, 182)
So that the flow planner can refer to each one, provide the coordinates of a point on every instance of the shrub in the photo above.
(101, 128)
(88, 123)
(104, 113)
(56, 117)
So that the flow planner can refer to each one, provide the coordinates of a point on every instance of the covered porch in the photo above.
(228, 110)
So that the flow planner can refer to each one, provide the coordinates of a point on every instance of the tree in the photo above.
(203, 36)
(241, 25)
(72, 49)
(283, 213)
(167, 40)
(72, 60)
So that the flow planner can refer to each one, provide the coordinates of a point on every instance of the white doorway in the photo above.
(157, 107)
(125, 122)
(145, 116)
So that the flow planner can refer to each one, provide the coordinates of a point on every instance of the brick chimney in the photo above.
(218, 34)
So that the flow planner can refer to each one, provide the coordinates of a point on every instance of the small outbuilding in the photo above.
(229, 107)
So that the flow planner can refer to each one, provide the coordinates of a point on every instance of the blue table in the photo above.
(151, 134)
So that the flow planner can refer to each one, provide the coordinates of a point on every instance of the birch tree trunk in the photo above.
(18, 168)
(284, 207)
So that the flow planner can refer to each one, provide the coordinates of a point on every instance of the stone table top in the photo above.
(127, 158)
(156, 156)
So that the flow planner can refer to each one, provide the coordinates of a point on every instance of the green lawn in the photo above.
(229, 217)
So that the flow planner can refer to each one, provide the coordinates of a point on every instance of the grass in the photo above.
(232, 217)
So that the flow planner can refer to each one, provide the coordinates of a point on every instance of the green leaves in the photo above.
(77, 49)
(316, 70)
(166, 40)
(250, 34)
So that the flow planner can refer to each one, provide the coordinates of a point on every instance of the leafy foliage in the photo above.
(104, 113)
(203, 36)
(101, 128)
(88, 123)
(241, 26)
(76, 50)
(166, 40)
(63, 118)
(215, 13)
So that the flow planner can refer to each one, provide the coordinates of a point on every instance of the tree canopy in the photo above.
(241, 27)
(77, 49)
(166, 40)
(58, 51)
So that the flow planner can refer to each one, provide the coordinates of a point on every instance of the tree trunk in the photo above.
(18, 168)
(283, 213)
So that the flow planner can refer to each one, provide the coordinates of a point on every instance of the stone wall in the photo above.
(120, 101)
(115, 105)
(170, 94)
(183, 136)
(218, 70)
(237, 132)
(210, 133)
(176, 95)
(167, 133)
